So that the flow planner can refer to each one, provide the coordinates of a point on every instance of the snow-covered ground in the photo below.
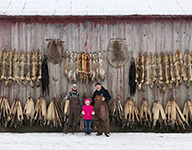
(78, 141)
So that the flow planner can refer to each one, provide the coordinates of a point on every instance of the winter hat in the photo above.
(74, 85)
(87, 100)
(97, 83)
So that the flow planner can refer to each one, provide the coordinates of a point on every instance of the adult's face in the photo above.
(98, 87)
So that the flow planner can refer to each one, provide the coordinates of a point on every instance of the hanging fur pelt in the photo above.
(66, 61)
(187, 69)
(87, 68)
(158, 115)
(163, 65)
(1, 53)
(187, 111)
(21, 66)
(145, 113)
(39, 70)
(140, 71)
(27, 68)
(175, 117)
(101, 66)
(179, 60)
(15, 67)
(3, 68)
(116, 111)
(146, 70)
(33, 68)
(172, 70)
(132, 74)
(91, 66)
(131, 114)
(45, 77)
(4, 110)
(8, 68)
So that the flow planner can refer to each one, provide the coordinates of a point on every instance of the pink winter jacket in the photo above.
(88, 111)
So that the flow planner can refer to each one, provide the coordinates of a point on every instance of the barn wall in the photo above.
(152, 35)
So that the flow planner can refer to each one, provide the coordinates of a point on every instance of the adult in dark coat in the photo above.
(100, 99)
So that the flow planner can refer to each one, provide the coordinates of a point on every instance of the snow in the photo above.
(117, 141)
(94, 7)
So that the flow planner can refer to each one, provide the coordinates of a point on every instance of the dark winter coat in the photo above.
(102, 91)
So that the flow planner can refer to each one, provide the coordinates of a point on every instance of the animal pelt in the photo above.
(158, 115)
(117, 53)
(146, 69)
(27, 68)
(54, 115)
(132, 74)
(187, 111)
(66, 63)
(158, 70)
(171, 69)
(8, 68)
(95, 68)
(39, 68)
(180, 68)
(33, 68)
(80, 67)
(140, 71)
(15, 118)
(152, 70)
(15, 67)
(71, 74)
(77, 65)
(87, 68)
(166, 61)
(175, 118)
(28, 113)
(74, 75)
(21, 66)
(45, 77)
(163, 66)
(66, 112)
(4, 110)
(131, 114)
(1, 54)
(40, 114)
(187, 69)
(145, 114)
(91, 66)
(116, 111)
(54, 51)
(101, 66)
(83, 65)
(3, 63)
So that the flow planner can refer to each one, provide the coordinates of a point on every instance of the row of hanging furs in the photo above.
(170, 118)
(21, 67)
(32, 114)
(84, 67)
(164, 70)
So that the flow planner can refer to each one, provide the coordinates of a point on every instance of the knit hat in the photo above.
(87, 100)
(97, 83)
(74, 85)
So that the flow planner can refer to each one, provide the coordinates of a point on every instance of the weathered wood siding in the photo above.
(94, 34)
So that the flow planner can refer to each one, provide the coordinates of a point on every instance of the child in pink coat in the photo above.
(87, 115)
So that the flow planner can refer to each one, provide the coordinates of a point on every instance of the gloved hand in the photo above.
(83, 113)
(93, 113)
(103, 99)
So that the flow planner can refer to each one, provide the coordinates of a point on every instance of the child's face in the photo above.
(87, 103)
